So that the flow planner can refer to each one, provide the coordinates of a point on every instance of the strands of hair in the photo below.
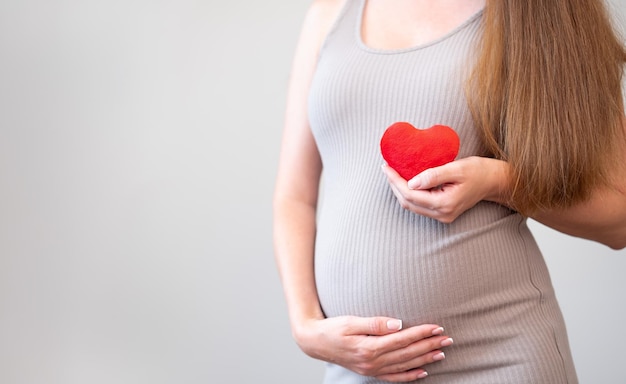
(545, 93)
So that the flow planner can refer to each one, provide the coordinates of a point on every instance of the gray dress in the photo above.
(482, 277)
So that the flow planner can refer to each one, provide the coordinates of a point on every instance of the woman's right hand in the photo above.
(373, 346)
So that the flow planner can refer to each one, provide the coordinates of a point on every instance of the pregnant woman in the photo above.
(438, 277)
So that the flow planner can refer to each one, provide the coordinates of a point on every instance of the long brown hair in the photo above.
(546, 95)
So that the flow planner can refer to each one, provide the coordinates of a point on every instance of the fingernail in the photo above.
(422, 375)
(438, 331)
(415, 182)
(447, 342)
(439, 356)
(394, 325)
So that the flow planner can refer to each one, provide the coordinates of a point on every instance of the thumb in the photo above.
(376, 326)
(428, 179)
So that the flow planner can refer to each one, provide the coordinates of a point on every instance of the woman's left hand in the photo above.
(444, 193)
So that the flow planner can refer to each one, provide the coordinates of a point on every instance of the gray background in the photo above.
(138, 147)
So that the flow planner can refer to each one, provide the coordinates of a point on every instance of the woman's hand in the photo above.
(375, 346)
(444, 193)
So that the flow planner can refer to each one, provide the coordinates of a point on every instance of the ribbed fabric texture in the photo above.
(482, 277)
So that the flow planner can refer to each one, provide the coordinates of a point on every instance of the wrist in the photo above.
(306, 334)
(498, 180)
(301, 325)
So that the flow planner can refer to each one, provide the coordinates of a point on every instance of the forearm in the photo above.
(294, 236)
(601, 218)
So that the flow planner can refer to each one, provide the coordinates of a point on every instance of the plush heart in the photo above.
(410, 151)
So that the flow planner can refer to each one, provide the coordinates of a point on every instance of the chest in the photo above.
(400, 24)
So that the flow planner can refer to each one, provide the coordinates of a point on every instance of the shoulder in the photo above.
(326, 8)
(321, 16)
(318, 21)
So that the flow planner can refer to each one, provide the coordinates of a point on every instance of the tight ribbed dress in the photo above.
(481, 277)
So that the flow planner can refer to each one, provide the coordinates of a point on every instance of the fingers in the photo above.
(407, 348)
(443, 193)
(404, 377)
(409, 337)
(423, 202)
(379, 326)
(418, 354)
(429, 183)
(399, 373)
(409, 362)
(428, 179)
(376, 326)
(380, 346)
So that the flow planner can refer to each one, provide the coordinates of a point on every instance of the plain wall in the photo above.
(138, 147)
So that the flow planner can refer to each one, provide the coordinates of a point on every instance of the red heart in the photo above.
(410, 151)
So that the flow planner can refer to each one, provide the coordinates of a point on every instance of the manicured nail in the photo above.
(447, 342)
(439, 356)
(422, 375)
(394, 325)
(437, 331)
(415, 183)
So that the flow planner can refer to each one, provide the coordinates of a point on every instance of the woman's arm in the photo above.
(297, 182)
(601, 218)
(375, 346)
(445, 192)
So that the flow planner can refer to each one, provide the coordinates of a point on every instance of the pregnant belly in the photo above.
(484, 281)
(428, 274)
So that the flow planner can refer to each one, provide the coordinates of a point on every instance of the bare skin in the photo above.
(379, 346)
(373, 346)
(465, 182)
(397, 24)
